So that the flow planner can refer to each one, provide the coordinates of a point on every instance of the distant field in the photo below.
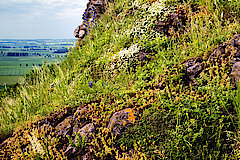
(39, 51)
(19, 66)
(9, 79)
(11, 68)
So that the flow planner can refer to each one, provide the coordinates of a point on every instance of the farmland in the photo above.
(18, 57)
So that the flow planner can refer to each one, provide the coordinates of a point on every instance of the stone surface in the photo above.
(236, 72)
(64, 128)
(194, 67)
(99, 7)
(121, 120)
(175, 22)
(87, 130)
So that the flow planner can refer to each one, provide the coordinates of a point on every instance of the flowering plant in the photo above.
(125, 58)
(93, 19)
(146, 19)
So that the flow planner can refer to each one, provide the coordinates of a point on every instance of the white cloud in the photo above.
(63, 3)
(51, 3)
(43, 18)
(72, 8)
(21, 1)
(69, 12)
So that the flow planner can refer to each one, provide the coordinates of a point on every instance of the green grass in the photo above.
(176, 121)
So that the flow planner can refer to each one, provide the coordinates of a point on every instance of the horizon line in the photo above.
(36, 38)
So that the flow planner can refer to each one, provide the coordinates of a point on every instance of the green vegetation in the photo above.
(176, 120)
(81, 142)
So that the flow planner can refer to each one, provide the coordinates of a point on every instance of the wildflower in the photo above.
(36, 145)
(90, 84)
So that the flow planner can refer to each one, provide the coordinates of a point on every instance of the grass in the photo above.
(176, 121)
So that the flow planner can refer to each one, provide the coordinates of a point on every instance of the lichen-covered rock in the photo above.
(230, 48)
(194, 67)
(64, 128)
(121, 120)
(94, 9)
(236, 72)
(86, 131)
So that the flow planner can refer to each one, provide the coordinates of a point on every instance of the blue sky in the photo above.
(40, 19)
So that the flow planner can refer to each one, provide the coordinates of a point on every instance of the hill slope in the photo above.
(151, 80)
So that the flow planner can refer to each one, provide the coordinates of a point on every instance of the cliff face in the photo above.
(93, 11)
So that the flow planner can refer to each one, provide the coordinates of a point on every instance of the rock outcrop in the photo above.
(236, 72)
(94, 9)
(194, 67)
(121, 120)
(228, 51)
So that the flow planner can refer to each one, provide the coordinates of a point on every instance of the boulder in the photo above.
(79, 33)
(174, 22)
(122, 120)
(194, 67)
(236, 72)
(236, 44)
(64, 128)
(78, 115)
(194, 70)
(222, 54)
(87, 130)
(230, 48)
(78, 128)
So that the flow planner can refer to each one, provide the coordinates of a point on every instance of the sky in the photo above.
(40, 19)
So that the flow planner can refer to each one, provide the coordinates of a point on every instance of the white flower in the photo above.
(146, 18)
(36, 145)
(127, 53)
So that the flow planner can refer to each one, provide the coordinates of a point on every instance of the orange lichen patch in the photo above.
(131, 118)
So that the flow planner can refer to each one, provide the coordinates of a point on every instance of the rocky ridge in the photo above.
(93, 11)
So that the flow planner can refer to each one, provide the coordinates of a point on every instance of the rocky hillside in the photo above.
(147, 79)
